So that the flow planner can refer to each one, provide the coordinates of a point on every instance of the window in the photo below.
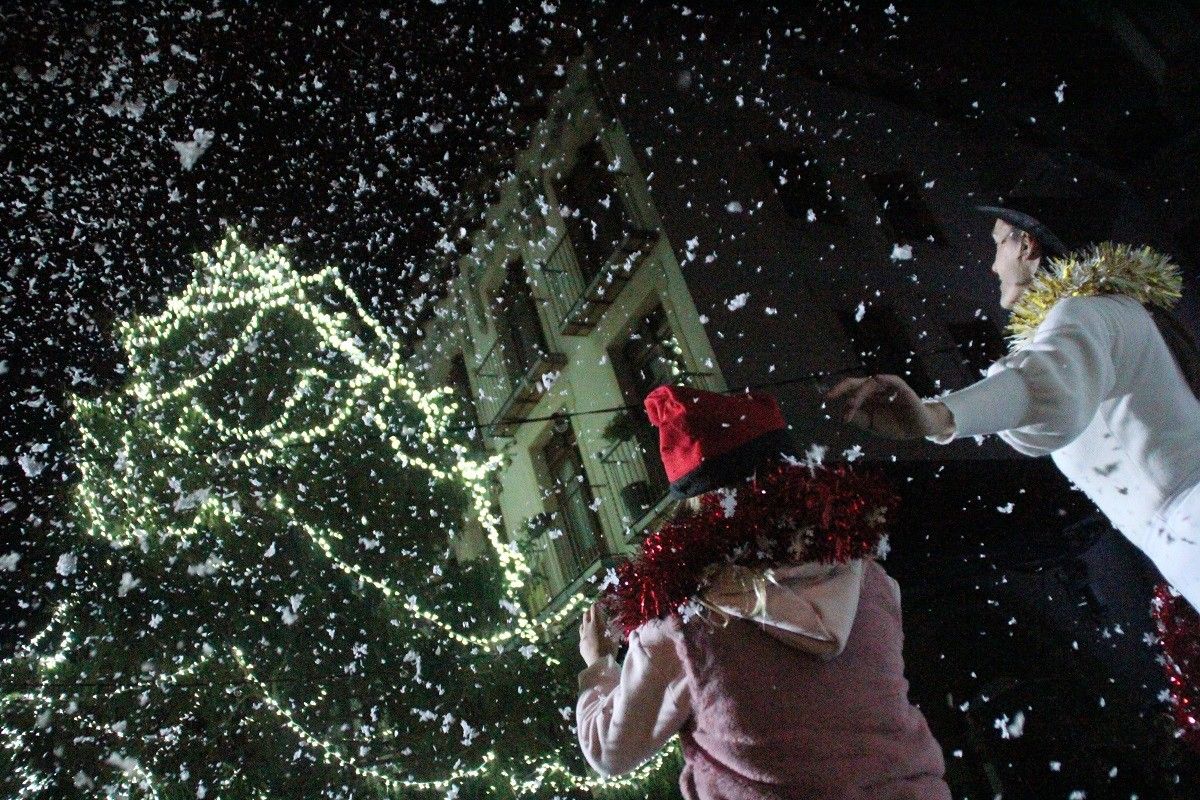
(880, 342)
(467, 416)
(650, 357)
(580, 542)
(979, 344)
(517, 323)
(904, 210)
(652, 353)
(592, 209)
(804, 188)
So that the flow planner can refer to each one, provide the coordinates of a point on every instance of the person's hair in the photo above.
(684, 507)
(690, 506)
(1181, 343)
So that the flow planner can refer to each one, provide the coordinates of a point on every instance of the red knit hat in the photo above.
(708, 440)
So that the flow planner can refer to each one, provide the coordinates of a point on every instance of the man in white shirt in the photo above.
(1091, 381)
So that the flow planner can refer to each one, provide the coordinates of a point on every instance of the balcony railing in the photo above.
(573, 588)
(576, 307)
(511, 385)
(574, 548)
(632, 493)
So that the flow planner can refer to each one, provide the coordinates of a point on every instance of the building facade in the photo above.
(592, 280)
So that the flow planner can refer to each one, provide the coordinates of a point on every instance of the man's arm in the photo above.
(1047, 392)
(944, 425)
(1040, 398)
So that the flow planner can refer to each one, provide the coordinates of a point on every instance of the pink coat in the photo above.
(803, 697)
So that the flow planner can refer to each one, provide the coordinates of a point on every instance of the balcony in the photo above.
(576, 306)
(576, 549)
(634, 492)
(574, 540)
(573, 588)
(511, 381)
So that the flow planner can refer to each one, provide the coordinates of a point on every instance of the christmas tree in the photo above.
(256, 597)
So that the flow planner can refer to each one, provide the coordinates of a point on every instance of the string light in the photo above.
(116, 508)
(539, 770)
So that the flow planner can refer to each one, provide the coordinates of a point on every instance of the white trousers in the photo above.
(1172, 542)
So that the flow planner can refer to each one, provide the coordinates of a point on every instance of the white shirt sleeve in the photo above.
(1041, 397)
(625, 715)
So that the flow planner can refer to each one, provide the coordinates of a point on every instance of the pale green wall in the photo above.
(587, 381)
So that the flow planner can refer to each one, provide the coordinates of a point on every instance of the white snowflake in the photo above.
(610, 579)
(190, 152)
(288, 612)
(883, 548)
(690, 609)
(67, 564)
(127, 764)
(510, 607)
(208, 567)
(738, 301)
(30, 465)
(192, 499)
(1010, 729)
(728, 502)
(815, 455)
(128, 582)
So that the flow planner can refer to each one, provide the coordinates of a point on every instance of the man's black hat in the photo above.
(1031, 225)
(1063, 210)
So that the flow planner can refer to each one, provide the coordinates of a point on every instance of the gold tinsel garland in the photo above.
(1142, 273)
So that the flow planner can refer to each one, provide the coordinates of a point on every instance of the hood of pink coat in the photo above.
(810, 606)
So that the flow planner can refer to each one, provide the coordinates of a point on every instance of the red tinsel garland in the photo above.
(845, 510)
(1178, 627)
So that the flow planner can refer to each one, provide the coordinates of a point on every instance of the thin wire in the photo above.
(812, 376)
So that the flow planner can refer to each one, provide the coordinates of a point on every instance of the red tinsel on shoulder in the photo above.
(1178, 627)
(787, 514)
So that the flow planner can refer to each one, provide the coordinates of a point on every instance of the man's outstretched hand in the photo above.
(886, 406)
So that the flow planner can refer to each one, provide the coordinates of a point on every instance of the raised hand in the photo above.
(594, 643)
(886, 406)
